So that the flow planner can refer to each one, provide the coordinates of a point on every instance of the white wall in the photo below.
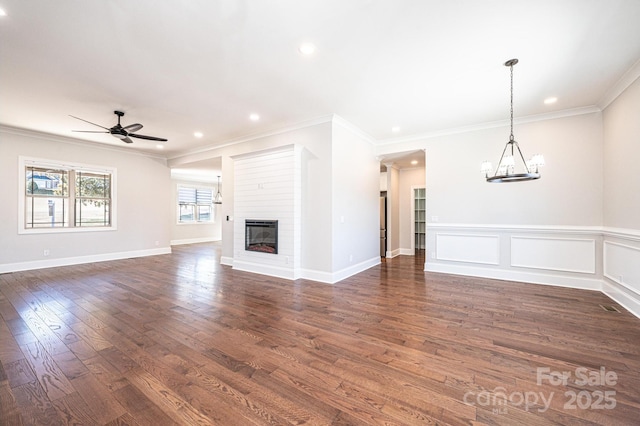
(569, 192)
(226, 211)
(143, 219)
(621, 254)
(622, 160)
(355, 183)
(187, 233)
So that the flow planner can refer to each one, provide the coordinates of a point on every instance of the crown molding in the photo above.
(492, 124)
(354, 129)
(73, 141)
(621, 85)
(333, 118)
(254, 136)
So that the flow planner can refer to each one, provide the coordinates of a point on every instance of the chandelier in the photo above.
(512, 166)
(218, 199)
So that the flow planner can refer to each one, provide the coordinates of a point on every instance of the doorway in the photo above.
(401, 174)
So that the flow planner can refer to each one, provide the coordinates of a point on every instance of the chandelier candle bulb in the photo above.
(537, 161)
(486, 168)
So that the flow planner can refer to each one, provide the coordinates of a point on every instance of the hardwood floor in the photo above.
(180, 339)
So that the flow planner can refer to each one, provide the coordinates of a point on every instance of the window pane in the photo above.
(187, 213)
(93, 185)
(44, 212)
(92, 212)
(186, 195)
(41, 181)
(204, 213)
(204, 196)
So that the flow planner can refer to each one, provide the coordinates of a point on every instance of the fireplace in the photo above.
(261, 236)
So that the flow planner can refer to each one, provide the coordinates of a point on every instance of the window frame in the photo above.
(26, 162)
(195, 206)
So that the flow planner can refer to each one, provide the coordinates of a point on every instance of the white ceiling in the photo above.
(204, 65)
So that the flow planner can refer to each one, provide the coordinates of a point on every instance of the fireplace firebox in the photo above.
(261, 236)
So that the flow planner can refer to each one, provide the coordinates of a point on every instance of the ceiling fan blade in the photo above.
(82, 119)
(89, 131)
(126, 140)
(150, 138)
(133, 127)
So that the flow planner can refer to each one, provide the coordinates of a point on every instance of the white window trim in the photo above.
(24, 162)
(195, 222)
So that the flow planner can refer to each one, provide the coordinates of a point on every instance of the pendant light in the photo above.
(218, 199)
(506, 170)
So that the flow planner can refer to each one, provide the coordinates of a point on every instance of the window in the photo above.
(63, 197)
(93, 199)
(195, 204)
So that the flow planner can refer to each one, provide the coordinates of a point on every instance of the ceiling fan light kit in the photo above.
(511, 154)
(120, 132)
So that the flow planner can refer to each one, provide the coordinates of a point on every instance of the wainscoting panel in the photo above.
(554, 254)
(469, 248)
(622, 265)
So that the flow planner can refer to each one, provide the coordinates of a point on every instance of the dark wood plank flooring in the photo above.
(180, 339)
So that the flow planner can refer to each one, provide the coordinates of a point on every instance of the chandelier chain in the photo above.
(511, 136)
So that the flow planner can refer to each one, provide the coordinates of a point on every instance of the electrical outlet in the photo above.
(157, 243)
(350, 258)
(434, 218)
(621, 279)
(433, 255)
(45, 252)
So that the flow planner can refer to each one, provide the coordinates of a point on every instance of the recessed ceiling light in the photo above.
(307, 49)
(414, 162)
(254, 117)
(551, 100)
(198, 134)
(2, 12)
(395, 129)
(159, 146)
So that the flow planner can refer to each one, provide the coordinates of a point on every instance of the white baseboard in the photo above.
(307, 274)
(260, 268)
(629, 300)
(78, 260)
(226, 260)
(407, 252)
(393, 253)
(511, 275)
(318, 276)
(354, 269)
(193, 241)
(334, 277)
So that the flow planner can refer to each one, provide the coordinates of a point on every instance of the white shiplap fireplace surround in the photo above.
(268, 187)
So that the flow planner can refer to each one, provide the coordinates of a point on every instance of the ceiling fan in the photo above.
(122, 133)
